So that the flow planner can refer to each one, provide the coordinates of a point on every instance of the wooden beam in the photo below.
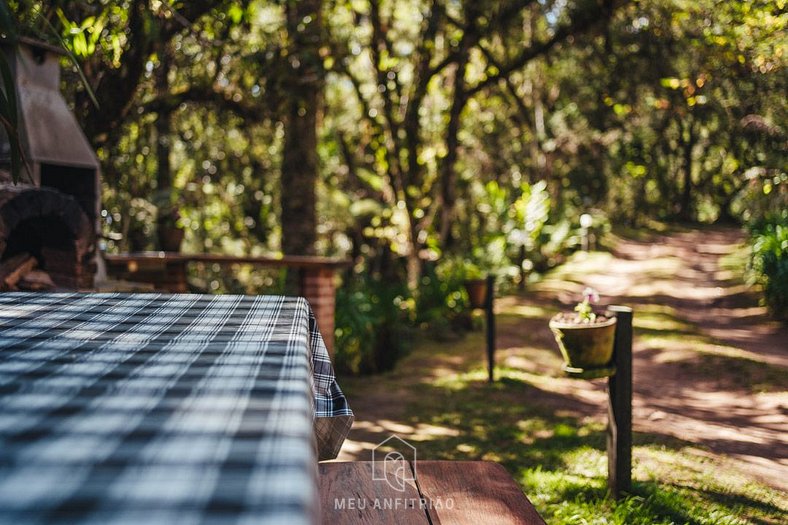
(490, 315)
(289, 261)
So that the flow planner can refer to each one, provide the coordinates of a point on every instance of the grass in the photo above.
(560, 460)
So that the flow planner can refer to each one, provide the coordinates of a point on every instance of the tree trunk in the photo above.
(448, 173)
(163, 132)
(686, 193)
(299, 158)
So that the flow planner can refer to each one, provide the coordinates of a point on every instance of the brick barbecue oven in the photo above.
(47, 224)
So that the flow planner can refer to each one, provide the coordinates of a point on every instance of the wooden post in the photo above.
(490, 311)
(619, 426)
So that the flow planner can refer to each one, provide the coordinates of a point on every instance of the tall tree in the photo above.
(414, 133)
(299, 156)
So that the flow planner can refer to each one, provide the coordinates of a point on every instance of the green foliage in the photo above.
(766, 211)
(531, 212)
(236, 279)
(372, 326)
(769, 261)
(8, 110)
(454, 136)
(10, 121)
(441, 302)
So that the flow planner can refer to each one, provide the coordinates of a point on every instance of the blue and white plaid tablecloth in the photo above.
(151, 408)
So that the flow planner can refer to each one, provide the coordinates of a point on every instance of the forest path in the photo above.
(710, 368)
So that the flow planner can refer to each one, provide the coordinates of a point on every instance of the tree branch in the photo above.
(582, 21)
(204, 94)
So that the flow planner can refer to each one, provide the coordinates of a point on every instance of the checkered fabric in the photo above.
(151, 408)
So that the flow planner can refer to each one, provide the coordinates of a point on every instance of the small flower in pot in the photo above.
(585, 312)
(585, 338)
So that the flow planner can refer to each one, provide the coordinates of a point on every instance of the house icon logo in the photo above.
(394, 461)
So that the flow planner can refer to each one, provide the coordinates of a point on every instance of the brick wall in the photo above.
(317, 285)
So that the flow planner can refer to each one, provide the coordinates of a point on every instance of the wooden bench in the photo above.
(441, 492)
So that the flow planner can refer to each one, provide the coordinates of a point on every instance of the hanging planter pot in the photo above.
(477, 292)
(587, 347)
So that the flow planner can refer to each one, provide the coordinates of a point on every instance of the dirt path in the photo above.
(725, 389)
(709, 367)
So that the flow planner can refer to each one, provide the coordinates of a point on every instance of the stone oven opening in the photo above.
(38, 236)
(46, 240)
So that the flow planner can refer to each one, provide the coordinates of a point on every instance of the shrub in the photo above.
(441, 305)
(372, 325)
(769, 262)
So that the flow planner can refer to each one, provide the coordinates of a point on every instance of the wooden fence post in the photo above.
(490, 311)
(619, 426)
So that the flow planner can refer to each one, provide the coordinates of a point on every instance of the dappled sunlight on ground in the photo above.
(710, 382)
(510, 306)
(705, 351)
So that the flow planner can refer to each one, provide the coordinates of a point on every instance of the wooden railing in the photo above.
(167, 271)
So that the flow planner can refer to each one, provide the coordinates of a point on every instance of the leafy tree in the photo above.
(417, 136)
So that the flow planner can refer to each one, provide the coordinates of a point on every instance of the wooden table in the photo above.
(438, 492)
